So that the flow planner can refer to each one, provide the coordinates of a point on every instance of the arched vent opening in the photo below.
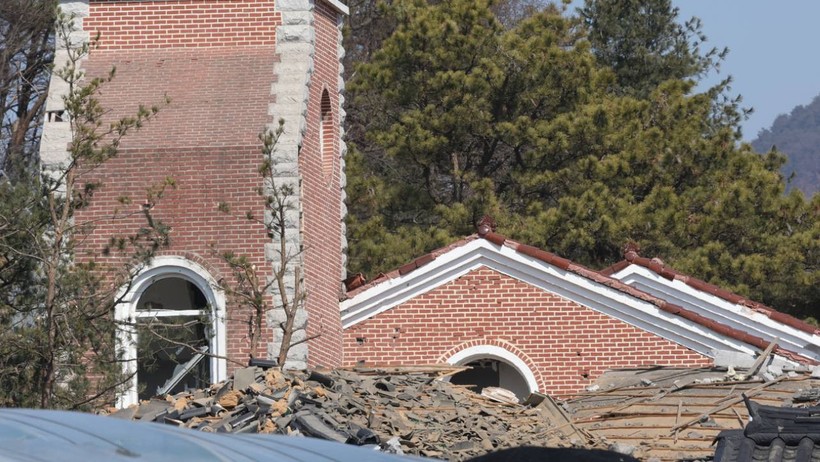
(489, 372)
(326, 138)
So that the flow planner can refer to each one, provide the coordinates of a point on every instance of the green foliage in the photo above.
(273, 295)
(524, 124)
(645, 45)
(57, 297)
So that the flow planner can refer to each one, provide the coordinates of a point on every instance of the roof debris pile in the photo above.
(654, 414)
(404, 410)
(775, 433)
(669, 414)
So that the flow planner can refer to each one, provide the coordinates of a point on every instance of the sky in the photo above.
(773, 56)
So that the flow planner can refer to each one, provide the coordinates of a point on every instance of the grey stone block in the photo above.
(298, 18)
(775, 369)
(726, 358)
(286, 6)
(243, 378)
(79, 8)
(302, 34)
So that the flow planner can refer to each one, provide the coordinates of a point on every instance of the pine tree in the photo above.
(526, 125)
(58, 335)
(645, 45)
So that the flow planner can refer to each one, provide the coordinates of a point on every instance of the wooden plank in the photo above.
(677, 420)
(762, 358)
(739, 418)
(728, 404)
(558, 416)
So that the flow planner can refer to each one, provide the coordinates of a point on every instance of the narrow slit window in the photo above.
(326, 138)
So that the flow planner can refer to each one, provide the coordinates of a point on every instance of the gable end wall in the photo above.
(569, 345)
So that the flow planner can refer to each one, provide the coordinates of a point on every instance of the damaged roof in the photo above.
(676, 413)
(659, 413)
(775, 433)
(403, 410)
(590, 288)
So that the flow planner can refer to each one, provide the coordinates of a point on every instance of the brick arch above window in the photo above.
(170, 267)
(503, 350)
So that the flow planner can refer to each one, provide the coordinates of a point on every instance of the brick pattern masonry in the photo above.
(566, 345)
(182, 23)
(220, 61)
(321, 195)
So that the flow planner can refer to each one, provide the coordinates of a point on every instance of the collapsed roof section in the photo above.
(652, 276)
(673, 414)
(774, 433)
(611, 296)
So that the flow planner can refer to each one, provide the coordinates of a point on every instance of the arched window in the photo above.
(326, 138)
(173, 335)
(493, 366)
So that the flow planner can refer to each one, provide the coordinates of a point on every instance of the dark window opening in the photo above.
(55, 116)
(492, 373)
(173, 337)
(484, 373)
(326, 137)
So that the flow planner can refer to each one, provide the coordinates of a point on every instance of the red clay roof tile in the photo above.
(657, 266)
(603, 277)
(424, 259)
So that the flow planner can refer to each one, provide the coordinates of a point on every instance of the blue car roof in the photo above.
(41, 435)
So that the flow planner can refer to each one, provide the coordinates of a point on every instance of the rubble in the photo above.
(659, 413)
(622, 448)
(679, 416)
(402, 411)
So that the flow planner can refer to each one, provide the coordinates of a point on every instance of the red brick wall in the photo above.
(219, 97)
(214, 60)
(567, 345)
(322, 199)
(182, 23)
(197, 228)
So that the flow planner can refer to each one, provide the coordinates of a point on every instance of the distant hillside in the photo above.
(798, 136)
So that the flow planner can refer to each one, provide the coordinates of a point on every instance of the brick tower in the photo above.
(231, 68)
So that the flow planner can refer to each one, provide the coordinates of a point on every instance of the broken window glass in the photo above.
(173, 338)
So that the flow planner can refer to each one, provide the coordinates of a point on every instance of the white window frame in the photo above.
(127, 312)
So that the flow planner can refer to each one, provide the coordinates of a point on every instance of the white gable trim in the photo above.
(718, 309)
(338, 6)
(566, 284)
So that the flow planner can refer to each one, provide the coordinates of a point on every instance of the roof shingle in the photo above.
(775, 433)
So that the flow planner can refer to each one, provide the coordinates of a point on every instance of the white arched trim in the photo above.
(494, 352)
(161, 268)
